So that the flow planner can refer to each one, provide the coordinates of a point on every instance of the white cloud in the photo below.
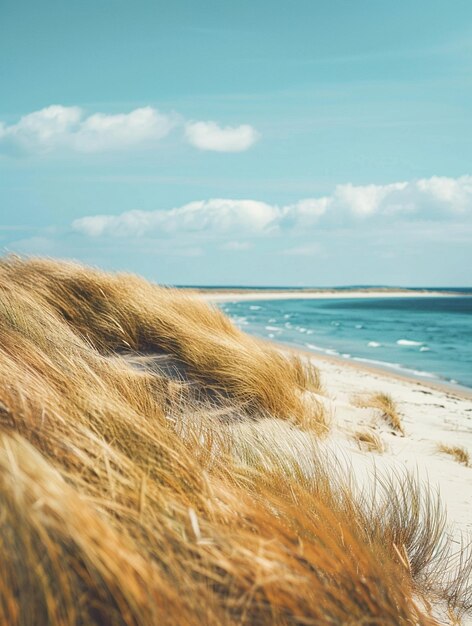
(211, 136)
(364, 200)
(60, 128)
(453, 193)
(426, 199)
(41, 131)
(108, 132)
(209, 216)
(307, 212)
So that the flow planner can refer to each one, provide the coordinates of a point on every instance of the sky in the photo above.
(306, 143)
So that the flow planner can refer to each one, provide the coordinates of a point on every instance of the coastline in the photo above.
(433, 413)
(328, 294)
(444, 387)
(258, 295)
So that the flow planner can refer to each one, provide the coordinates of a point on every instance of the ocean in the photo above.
(429, 338)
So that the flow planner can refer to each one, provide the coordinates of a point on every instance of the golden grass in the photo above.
(384, 403)
(123, 313)
(369, 440)
(459, 453)
(189, 487)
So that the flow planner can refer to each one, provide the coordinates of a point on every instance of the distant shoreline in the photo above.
(234, 295)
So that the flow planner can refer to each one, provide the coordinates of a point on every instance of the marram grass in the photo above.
(158, 466)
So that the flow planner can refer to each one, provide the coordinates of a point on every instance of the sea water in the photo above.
(425, 337)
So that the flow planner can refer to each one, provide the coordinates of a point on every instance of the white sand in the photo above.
(430, 416)
(235, 296)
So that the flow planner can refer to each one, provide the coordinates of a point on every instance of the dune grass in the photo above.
(459, 453)
(158, 466)
(369, 440)
(384, 403)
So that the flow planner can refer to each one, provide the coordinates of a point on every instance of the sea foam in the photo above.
(409, 342)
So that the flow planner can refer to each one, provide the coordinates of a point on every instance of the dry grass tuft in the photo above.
(459, 453)
(382, 402)
(159, 467)
(369, 440)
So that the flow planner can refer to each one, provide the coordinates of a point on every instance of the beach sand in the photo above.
(229, 295)
(430, 416)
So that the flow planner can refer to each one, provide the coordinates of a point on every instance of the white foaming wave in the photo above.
(409, 342)
(424, 349)
(254, 307)
(386, 364)
(359, 326)
(396, 366)
(273, 328)
(329, 351)
(240, 320)
(374, 344)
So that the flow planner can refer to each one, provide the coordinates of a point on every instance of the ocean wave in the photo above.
(385, 364)
(273, 328)
(254, 307)
(328, 351)
(396, 366)
(424, 349)
(374, 344)
(240, 320)
(409, 342)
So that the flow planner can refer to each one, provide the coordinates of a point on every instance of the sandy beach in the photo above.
(432, 414)
(238, 295)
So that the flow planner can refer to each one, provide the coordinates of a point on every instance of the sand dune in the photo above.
(159, 466)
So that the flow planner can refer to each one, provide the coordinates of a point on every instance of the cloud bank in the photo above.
(59, 128)
(210, 136)
(436, 198)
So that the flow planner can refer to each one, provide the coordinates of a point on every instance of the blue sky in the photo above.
(304, 143)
